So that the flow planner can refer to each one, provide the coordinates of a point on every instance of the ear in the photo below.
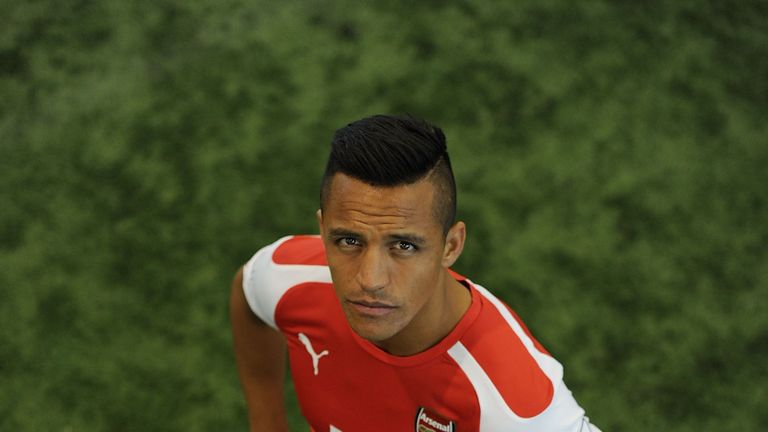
(320, 220)
(454, 243)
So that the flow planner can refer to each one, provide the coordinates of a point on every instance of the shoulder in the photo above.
(292, 250)
(513, 375)
(276, 268)
(299, 250)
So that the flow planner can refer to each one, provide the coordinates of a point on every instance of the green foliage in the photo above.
(610, 158)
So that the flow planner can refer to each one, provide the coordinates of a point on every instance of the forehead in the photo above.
(403, 207)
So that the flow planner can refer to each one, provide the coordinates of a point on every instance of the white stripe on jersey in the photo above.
(265, 282)
(562, 415)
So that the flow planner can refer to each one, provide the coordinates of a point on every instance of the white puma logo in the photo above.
(315, 357)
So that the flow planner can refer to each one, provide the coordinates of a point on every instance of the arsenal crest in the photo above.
(429, 421)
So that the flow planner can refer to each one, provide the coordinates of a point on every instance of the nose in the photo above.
(372, 275)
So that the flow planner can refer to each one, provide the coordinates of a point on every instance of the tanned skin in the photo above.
(260, 354)
(386, 247)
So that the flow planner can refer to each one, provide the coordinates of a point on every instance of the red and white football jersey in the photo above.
(489, 374)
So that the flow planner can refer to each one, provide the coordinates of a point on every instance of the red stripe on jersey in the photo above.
(306, 250)
(456, 276)
(507, 362)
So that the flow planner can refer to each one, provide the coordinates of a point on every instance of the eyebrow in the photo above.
(340, 232)
(408, 237)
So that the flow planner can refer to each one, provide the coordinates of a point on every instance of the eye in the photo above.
(406, 246)
(348, 242)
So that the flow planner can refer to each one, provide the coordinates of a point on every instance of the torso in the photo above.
(488, 374)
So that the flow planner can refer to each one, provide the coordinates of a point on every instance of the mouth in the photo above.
(371, 309)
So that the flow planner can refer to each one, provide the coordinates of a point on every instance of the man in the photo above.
(381, 334)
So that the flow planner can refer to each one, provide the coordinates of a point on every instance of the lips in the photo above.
(372, 309)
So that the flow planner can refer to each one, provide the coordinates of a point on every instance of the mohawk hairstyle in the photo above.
(389, 151)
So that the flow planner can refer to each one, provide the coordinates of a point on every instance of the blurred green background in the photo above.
(610, 156)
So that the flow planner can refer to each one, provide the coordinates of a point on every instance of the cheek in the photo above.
(339, 272)
(343, 272)
(417, 281)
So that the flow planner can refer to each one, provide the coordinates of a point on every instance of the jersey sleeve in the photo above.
(277, 268)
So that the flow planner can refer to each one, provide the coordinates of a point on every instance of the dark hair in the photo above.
(385, 150)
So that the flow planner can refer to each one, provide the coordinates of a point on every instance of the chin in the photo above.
(373, 331)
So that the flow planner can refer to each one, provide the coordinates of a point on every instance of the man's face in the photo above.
(386, 252)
